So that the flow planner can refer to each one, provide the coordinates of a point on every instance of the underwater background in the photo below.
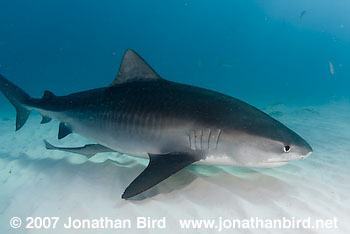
(291, 59)
(258, 51)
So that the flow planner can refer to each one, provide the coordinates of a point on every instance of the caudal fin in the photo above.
(18, 98)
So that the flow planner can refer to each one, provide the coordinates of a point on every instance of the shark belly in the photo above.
(130, 136)
(155, 136)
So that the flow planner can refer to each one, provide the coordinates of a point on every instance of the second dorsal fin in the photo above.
(134, 68)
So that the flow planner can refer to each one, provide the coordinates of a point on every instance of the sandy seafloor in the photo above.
(36, 182)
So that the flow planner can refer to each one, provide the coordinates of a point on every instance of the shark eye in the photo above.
(286, 148)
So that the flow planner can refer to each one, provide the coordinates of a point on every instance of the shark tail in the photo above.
(18, 98)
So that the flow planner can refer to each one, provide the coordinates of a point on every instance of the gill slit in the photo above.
(217, 139)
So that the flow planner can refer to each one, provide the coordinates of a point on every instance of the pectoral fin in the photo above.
(86, 150)
(159, 168)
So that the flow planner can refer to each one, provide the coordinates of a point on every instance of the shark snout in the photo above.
(305, 151)
(306, 155)
(300, 154)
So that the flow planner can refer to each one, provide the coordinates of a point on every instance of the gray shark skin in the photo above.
(172, 124)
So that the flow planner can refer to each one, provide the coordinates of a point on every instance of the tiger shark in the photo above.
(174, 125)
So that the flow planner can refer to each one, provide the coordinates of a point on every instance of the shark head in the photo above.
(257, 140)
(289, 146)
(259, 151)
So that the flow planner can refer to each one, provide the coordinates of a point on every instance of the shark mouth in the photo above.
(274, 164)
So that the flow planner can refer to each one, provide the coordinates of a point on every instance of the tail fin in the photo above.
(18, 98)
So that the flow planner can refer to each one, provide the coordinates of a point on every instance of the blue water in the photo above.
(260, 51)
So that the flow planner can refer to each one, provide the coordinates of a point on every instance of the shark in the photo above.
(173, 125)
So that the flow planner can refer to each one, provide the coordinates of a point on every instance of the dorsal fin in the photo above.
(134, 68)
(48, 94)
